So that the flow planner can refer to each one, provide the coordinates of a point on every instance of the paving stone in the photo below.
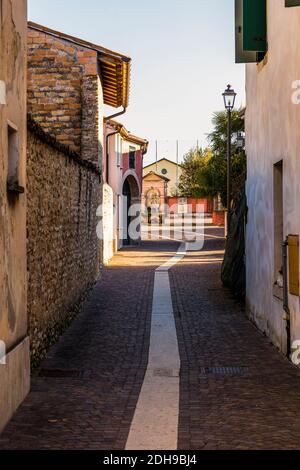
(108, 346)
(259, 409)
(97, 366)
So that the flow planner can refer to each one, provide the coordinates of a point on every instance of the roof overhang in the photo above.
(163, 160)
(154, 173)
(115, 78)
(114, 68)
(126, 135)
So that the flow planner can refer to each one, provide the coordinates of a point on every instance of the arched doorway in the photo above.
(153, 199)
(131, 196)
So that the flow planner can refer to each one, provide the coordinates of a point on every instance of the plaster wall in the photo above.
(272, 134)
(173, 173)
(14, 373)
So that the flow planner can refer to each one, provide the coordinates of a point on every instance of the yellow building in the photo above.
(169, 170)
(14, 341)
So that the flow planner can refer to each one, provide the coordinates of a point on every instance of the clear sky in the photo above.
(183, 58)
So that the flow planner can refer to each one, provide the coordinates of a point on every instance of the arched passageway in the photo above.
(131, 218)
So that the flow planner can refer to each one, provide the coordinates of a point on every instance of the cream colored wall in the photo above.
(127, 145)
(13, 315)
(272, 134)
(14, 375)
(111, 195)
(171, 175)
(153, 182)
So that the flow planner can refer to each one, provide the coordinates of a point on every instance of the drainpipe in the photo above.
(116, 114)
(110, 135)
(107, 153)
(286, 308)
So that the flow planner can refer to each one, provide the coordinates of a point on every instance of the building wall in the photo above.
(272, 134)
(154, 182)
(65, 93)
(173, 173)
(112, 194)
(14, 375)
(218, 218)
(64, 253)
(113, 203)
(138, 161)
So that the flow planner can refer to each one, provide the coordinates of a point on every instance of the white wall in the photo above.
(272, 134)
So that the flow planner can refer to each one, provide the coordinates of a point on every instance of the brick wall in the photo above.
(63, 193)
(64, 92)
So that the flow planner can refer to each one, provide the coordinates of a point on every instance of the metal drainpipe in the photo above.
(107, 153)
(286, 308)
(116, 114)
(112, 116)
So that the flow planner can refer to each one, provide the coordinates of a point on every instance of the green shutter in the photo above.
(241, 56)
(292, 3)
(255, 25)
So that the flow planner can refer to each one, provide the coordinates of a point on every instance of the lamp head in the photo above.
(229, 96)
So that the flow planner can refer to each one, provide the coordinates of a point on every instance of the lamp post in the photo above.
(229, 96)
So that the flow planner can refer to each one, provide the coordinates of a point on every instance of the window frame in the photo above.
(132, 158)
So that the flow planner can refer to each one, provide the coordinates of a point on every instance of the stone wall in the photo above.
(63, 252)
(92, 121)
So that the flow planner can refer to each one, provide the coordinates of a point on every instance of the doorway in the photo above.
(131, 196)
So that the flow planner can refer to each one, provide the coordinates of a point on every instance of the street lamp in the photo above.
(229, 96)
(240, 140)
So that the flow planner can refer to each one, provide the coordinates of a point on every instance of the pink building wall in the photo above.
(138, 165)
(192, 203)
(160, 186)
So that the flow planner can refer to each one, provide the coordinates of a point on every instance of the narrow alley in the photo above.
(236, 390)
(149, 232)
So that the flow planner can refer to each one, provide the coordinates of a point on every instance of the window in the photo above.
(292, 3)
(278, 223)
(255, 25)
(13, 159)
(250, 30)
(164, 171)
(119, 151)
(132, 158)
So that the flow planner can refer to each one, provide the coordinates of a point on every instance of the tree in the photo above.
(218, 143)
(205, 171)
(193, 181)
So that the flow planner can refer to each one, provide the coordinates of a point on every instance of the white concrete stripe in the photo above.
(2, 92)
(173, 261)
(155, 422)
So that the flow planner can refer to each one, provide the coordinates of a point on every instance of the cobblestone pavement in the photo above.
(92, 377)
(236, 390)
(255, 407)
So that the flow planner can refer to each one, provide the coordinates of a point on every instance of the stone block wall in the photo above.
(64, 253)
(92, 124)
